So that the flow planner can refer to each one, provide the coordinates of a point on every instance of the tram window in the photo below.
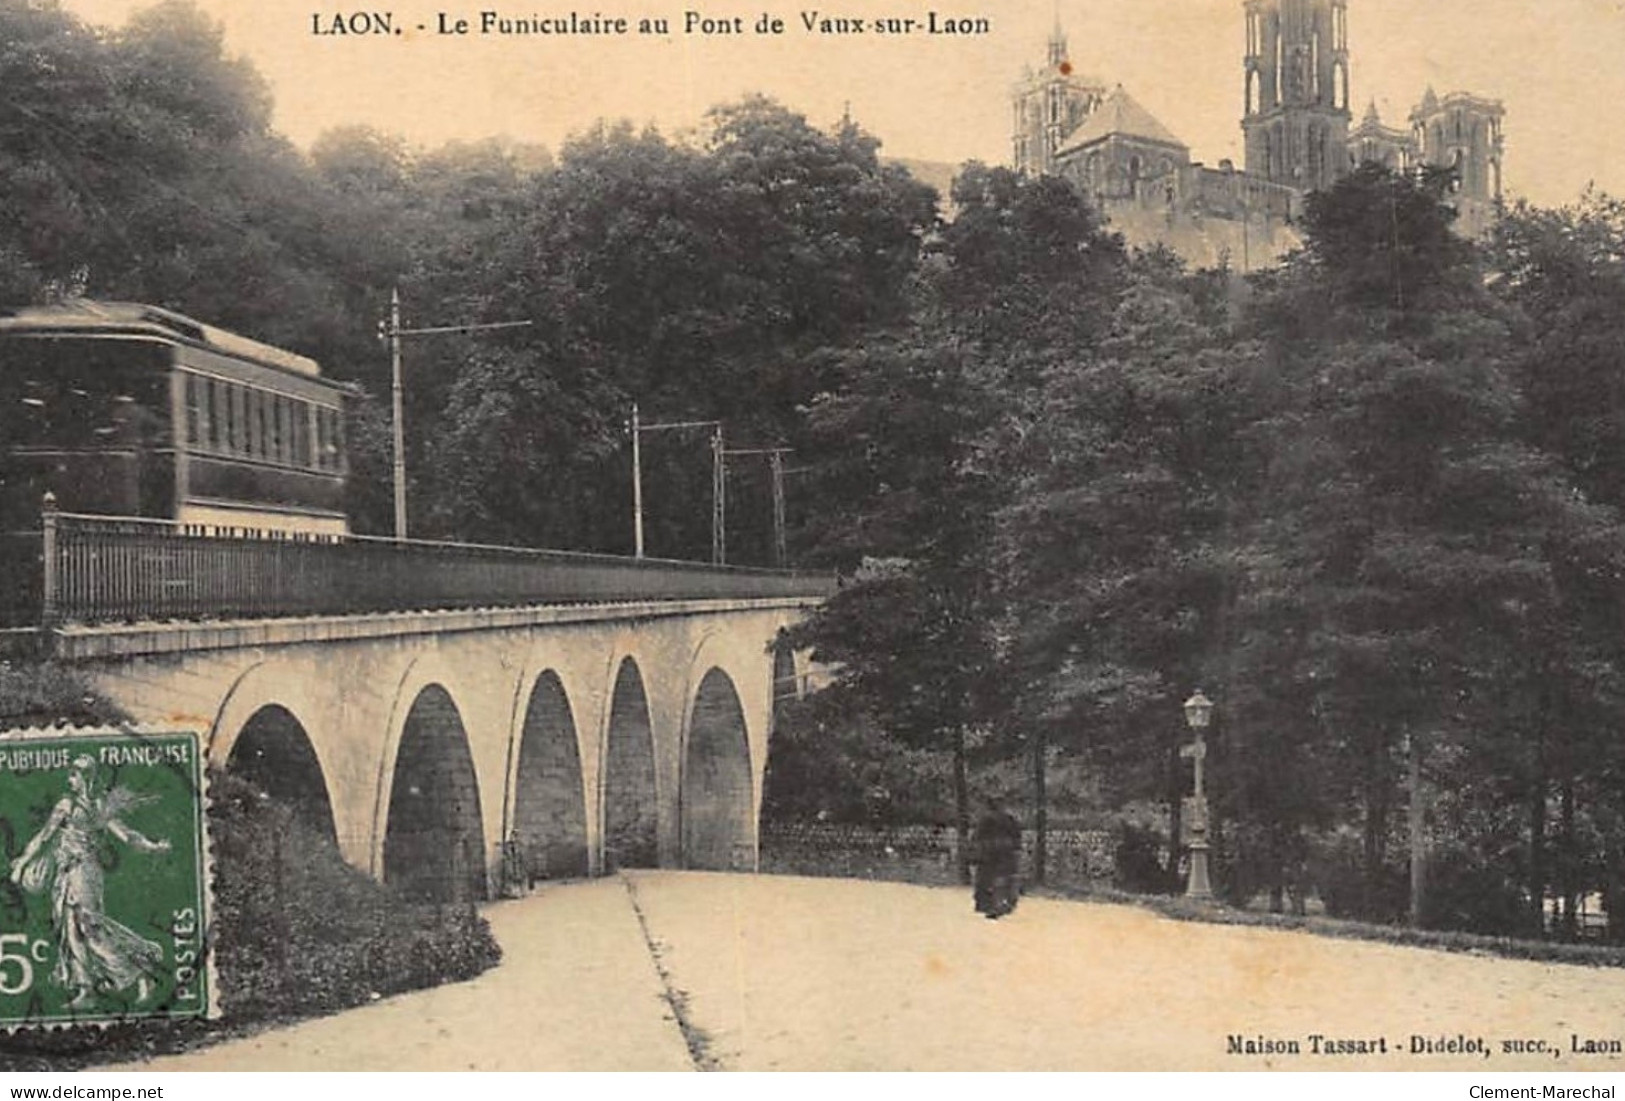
(327, 440)
(324, 439)
(268, 427)
(301, 434)
(198, 402)
(194, 424)
(239, 419)
(277, 418)
(220, 422)
(253, 400)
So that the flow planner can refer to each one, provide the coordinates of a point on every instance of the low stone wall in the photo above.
(921, 854)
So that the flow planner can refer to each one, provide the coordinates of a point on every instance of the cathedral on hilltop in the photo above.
(1299, 138)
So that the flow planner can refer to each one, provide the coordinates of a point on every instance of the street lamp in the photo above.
(1198, 710)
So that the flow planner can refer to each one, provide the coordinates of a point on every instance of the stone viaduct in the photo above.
(447, 752)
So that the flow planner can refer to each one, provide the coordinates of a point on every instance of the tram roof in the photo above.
(91, 317)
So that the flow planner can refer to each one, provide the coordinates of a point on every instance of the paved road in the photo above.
(577, 989)
(779, 973)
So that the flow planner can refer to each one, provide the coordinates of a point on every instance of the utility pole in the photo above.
(397, 416)
(393, 332)
(718, 507)
(775, 459)
(637, 485)
(719, 498)
(781, 551)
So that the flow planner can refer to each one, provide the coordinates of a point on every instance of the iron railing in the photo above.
(98, 569)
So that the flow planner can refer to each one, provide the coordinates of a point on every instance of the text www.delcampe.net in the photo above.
(87, 1093)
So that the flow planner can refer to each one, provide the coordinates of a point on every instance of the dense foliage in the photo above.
(1369, 500)
(299, 931)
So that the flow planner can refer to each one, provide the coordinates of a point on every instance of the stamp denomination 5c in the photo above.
(104, 894)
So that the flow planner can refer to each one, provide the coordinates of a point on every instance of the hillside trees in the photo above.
(1562, 272)
(1411, 550)
(910, 443)
(702, 281)
(1333, 512)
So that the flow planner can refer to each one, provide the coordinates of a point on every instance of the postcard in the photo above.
(561, 756)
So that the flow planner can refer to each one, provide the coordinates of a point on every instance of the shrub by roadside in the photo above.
(298, 931)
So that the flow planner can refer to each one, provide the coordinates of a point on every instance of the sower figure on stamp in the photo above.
(95, 954)
(996, 848)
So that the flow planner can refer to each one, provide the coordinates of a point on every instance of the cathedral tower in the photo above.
(1297, 91)
(1462, 132)
(1049, 105)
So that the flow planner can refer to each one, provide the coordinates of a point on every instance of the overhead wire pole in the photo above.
(775, 460)
(719, 499)
(397, 416)
(781, 549)
(397, 402)
(637, 484)
(718, 515)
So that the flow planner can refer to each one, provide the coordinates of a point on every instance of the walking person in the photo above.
(996, 849)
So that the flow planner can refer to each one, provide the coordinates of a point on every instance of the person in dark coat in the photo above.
(996, 849)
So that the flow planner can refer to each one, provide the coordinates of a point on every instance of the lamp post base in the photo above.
(1198, 885)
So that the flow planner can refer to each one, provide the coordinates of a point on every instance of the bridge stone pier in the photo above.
(449, 751)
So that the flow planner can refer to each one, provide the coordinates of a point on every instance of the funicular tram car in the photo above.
(122, 409)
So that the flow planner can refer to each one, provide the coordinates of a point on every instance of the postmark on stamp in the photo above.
(103, 894)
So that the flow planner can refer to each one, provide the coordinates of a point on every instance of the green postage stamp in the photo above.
(103, 901)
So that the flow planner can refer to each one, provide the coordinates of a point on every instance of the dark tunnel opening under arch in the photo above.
(631, 815)
(550, 809)
(433, 843)
(274, 753)
(718, 810)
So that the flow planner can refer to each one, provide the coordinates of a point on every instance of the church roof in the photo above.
(1121, 115)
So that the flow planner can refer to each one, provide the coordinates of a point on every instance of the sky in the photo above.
(1554, 63)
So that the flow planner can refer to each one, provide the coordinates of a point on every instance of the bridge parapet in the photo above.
(96, 569)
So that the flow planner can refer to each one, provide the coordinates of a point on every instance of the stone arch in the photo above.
(261, 685)
(433, 844)
(629, 796)
(273, 752)
(548, 829)
(717, 803)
